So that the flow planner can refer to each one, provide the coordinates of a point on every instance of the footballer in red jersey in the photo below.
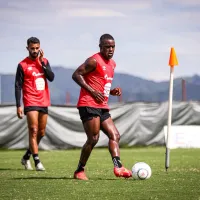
(95, 77)
(31, 81)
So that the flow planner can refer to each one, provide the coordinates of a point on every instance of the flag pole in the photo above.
(172, 62)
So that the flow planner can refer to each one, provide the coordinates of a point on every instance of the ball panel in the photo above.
(142, 174)
(141, 170)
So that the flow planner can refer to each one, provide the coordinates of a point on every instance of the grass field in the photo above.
(182, 182)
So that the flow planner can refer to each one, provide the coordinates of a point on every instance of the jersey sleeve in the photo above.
(48, 71)
(19, 79)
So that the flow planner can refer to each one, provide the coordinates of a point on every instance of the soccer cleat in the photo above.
(39, 167)
(27, 164)
(80, 175)
(122, 172)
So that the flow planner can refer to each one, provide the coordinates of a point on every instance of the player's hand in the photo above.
(41, 55)
(116, 91)
(20, 113)
(99, 97)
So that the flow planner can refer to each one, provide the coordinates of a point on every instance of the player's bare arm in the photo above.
(81, 71)
(20, 113)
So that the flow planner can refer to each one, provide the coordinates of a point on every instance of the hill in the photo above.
(134, 88)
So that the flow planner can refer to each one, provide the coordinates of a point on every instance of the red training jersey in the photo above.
(35, 87)
(101, 80)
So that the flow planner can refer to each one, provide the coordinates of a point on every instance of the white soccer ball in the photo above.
(141, 171)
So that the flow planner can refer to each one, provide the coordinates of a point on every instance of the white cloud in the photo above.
(108, 4)
(185, 2)
(69, 31)
(88, 8)
(84, 12)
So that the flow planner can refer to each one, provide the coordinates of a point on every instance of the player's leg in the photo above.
(91, 125)
(42, 121)
(32, 120)
(109, 128)
(111, 131)
(91, 128)
(26, 158)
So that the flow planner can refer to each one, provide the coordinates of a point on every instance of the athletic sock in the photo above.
(27, 155)
(36, 159)
(116, 161)
(80, 167)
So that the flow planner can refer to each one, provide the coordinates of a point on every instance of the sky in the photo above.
(69, 31)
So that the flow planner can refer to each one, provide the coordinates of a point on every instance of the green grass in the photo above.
(182, 182)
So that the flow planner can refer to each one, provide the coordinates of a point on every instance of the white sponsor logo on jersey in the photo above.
(104, 68)
(37, 74)
(108, 78)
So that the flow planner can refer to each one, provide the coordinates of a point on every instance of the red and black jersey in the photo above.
(31, 79)
(101, 80)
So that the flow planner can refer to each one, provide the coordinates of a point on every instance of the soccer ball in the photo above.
(141, 171)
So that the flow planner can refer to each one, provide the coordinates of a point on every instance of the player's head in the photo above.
(33, 47)
(107, 46)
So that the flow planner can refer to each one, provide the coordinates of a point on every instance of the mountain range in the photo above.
(64, 90)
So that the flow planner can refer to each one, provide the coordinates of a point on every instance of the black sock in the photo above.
(27, 155)
(116, 161)
(80, 167)
(36, 159)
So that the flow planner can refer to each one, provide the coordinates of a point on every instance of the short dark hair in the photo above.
(105, 37)
(33, 40)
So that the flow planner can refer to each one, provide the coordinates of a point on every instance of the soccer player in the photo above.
(94, 77)
(31, 80)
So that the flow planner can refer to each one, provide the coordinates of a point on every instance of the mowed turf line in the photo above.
(182, 182)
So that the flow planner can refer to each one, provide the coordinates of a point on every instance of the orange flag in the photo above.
(173, 59)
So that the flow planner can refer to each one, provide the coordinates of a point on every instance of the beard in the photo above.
(33, 55)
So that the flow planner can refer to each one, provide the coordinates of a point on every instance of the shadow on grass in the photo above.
(10, 169)
(110, 179)
(68, 178)
(45, 178)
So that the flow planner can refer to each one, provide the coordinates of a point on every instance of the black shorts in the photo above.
(88, 113)
(36, 108)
